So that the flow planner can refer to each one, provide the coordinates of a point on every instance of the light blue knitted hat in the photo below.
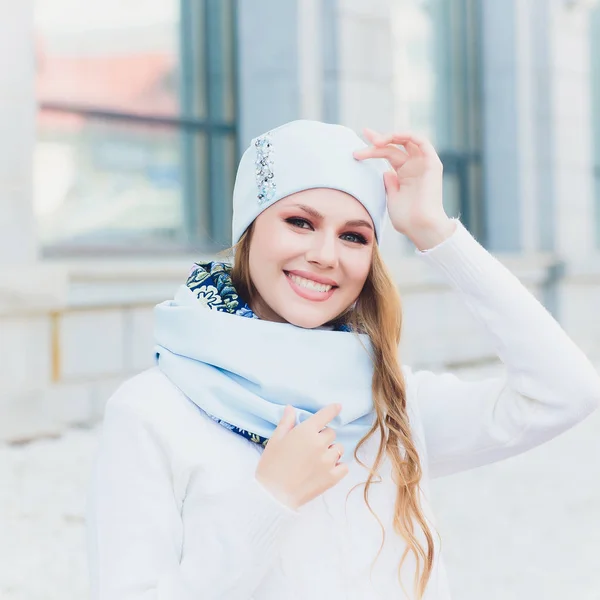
(302, 155)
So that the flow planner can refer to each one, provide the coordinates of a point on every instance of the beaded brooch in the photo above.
(265, 178)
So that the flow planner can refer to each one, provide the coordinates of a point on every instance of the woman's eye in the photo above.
(298, 222)
(355, 238)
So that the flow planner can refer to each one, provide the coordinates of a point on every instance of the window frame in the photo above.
(218, 198)
(466, 163)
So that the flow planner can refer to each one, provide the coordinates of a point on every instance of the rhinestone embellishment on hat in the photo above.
(265, 178)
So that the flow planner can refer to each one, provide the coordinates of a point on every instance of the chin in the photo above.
(306, 321)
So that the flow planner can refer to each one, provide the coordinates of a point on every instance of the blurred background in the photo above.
(121, 124)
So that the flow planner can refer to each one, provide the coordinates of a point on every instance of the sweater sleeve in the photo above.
(548, 386)
(135, 531)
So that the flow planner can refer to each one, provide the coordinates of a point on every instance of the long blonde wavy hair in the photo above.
(377, 312)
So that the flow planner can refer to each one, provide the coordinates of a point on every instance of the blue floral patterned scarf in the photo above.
(211, 283)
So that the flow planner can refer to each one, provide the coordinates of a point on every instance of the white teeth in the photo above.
(309, 284)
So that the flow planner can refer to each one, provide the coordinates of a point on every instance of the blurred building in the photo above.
(122, 124)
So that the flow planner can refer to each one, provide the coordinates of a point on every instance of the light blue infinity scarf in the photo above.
(243, 371)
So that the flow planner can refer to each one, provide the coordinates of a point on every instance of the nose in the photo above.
(323, 251)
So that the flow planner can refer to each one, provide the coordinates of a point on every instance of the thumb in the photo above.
(286, 424)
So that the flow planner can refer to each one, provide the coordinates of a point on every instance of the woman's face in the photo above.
(310, 255)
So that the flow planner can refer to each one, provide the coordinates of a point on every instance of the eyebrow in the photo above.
(317, 215)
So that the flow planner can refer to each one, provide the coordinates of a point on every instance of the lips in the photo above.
(310, 288)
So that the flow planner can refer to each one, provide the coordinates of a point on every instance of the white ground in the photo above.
(527, 528)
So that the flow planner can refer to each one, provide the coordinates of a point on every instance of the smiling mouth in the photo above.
(309, 284)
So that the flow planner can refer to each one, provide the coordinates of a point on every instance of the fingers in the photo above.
(340, 471)
(327, 436)
(403, 138)
(394, 155)
(286, 423)
(415, 144)
(320, 419)
(334, 453)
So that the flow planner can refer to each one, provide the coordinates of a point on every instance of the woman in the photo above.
(297, 346)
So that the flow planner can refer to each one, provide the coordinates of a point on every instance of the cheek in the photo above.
(277, 247)
(260, 261)
(268, 255)
(358, 269)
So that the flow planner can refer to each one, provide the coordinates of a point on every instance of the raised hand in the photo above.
(413, 186)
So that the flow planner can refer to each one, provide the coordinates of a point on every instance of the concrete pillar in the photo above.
(17, 132)
(30, 291)
(506, 143)
(25, 283)
(537, 149)
(571, 170)
(268, 66)
(366, 67)
(310, 59)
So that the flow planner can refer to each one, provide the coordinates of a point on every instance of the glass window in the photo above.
(136, 124)
(438, 92)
